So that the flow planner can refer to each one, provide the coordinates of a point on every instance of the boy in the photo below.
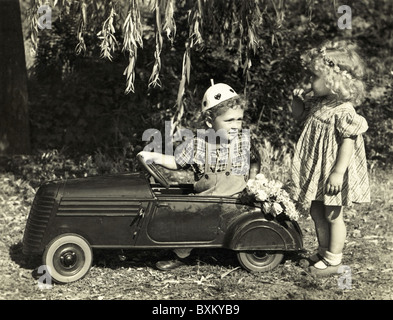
(222, 166)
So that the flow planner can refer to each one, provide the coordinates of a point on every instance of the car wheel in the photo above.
(69, 258)
(259, 261)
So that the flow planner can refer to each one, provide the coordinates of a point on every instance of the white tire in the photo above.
(259, 261)
(69, 257)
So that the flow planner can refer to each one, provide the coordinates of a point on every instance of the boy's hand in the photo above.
(166, 161)
(149, 157)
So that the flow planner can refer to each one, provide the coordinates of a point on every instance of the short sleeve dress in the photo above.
(316, 153)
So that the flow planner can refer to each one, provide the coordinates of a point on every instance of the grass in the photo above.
(210, 274)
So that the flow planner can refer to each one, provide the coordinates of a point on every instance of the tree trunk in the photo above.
(14, 116)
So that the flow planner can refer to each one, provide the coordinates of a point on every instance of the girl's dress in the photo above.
(317, 149)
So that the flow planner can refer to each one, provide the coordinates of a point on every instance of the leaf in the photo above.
(108, 39)
(228, 272)
(169, 22)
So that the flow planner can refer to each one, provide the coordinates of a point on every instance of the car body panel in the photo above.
(126, 211)
(255, 232)
(183, 220)
(103, 222)
(132, 185)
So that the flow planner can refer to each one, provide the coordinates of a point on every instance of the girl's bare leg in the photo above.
(322, 227)
(336, 239)
(338, 230)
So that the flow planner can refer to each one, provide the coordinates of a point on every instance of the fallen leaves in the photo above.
(228, 272)
(213, 274)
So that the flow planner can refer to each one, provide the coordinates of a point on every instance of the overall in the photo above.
(221, 183)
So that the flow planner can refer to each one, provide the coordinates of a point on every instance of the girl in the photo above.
(329, 168)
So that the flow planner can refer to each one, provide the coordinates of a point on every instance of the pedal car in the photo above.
(68, 219)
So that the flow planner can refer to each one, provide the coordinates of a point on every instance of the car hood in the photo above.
(128, 185)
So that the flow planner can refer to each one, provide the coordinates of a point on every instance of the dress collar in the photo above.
(328, 101)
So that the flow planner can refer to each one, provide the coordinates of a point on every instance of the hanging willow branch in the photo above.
(310, 6)
(132, 30)
(176, 118)
(251, 17)
(81, 46)
(169, 22)
(278, 6)
(194, 38)
(34, 28)
(236, 22)
(195, 23)
(155, 74)
(107, 36)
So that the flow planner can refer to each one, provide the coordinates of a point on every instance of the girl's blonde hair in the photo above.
(341, 67)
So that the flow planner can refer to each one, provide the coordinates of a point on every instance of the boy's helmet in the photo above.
(216, 94)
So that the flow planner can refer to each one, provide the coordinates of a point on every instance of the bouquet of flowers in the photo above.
(274, 200)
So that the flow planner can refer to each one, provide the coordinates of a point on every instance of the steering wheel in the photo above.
(153, 171)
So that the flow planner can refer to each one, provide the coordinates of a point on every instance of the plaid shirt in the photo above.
(193, 153)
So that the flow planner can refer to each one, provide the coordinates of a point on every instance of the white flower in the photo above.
(251, 185)
(276, 208)
(290, 210)
(261, 179)
(275, 187)
(261, 195)
(260, 176)
(265, 191)
(346, 74)
(266, 207)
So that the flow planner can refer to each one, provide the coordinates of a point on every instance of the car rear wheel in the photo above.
(69, 258)
(259, 261)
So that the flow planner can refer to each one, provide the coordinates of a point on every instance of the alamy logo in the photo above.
(231, 138)
(345, 21)
(45, 280)
(45, 19)
(345, 280)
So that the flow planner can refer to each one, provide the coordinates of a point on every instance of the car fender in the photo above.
(253, 231)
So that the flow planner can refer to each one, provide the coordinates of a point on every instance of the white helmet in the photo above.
(216, 94)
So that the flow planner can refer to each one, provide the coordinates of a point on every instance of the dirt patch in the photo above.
(210, 274)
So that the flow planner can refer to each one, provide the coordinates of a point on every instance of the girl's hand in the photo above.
(334, 183)
(297, 106)
(335, 180)
(298, 94)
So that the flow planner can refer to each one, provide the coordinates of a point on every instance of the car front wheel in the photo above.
(69, 258)
(259, 261)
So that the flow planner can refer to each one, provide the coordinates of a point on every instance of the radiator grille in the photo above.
(37, 223)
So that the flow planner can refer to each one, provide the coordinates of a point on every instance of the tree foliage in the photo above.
(238, 25)
(14, 116)
(165, 52)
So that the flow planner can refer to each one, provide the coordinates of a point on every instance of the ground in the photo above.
(210, 274)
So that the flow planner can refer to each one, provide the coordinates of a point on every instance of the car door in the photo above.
(185, 219)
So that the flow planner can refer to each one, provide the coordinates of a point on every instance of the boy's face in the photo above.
(230, 119)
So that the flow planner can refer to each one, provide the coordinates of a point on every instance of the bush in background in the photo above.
(78, 107)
